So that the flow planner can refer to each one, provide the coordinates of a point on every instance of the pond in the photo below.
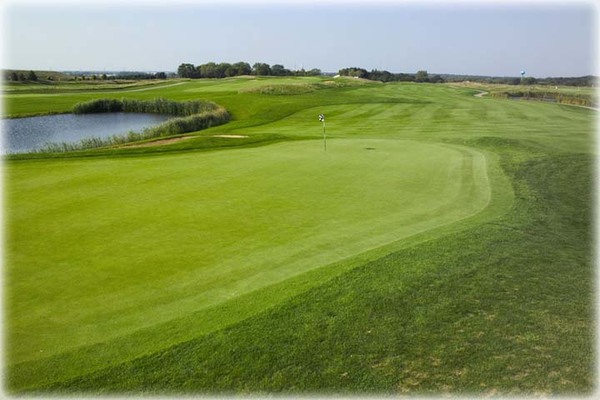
(23, 135)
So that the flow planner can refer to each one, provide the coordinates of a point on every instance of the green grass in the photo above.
(490, 310)
(442, 244)
(63, 84)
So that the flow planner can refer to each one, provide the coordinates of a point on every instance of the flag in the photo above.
(322, 117)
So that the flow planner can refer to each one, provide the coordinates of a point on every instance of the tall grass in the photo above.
(281, 89)
(574, 99)
(302, 88)
(191, 116)
(155, 106)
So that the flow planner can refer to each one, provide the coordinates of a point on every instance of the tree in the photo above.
(242, 68)
(187, 71)
(383, 76)
(279, 70)
(222, 69)
(209, 70)
(14, 77)
(159, 75)
(230, 71)
(32, 76)
(261, 69)
(355, 72)
(530, 80)
(514, 81)
(422, 76)
(402, 77)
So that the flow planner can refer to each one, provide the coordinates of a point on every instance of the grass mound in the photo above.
(281, 89)
(303, 88)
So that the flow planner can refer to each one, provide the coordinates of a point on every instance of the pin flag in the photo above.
(322, 119)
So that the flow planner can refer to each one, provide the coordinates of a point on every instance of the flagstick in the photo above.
(322, 119)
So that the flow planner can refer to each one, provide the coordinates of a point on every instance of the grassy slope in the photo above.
(470, 285)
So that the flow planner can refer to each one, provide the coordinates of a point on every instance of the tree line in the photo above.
(21, 77)
(386, 76)
(423, 76)
(226, 70)
(587, 80)
(31, 76)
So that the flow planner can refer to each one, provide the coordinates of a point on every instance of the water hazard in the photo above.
(29, 134)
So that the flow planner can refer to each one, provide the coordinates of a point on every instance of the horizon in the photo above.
(550, 39)
(150, 71)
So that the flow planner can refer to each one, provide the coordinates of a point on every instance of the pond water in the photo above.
(22, 135)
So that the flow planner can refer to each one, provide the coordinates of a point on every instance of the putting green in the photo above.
(100, 248)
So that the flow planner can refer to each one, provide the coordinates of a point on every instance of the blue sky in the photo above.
(487, 38)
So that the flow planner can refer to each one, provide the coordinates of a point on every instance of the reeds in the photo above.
(574, 99)
(191, 116)
(154, 106)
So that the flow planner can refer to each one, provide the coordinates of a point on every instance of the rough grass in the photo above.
(498, 303)
(301, 88)
(579, 99)
(282, 89)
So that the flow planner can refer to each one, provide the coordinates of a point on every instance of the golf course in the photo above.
(420, 240)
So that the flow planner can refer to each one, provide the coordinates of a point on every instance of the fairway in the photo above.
(441, 243)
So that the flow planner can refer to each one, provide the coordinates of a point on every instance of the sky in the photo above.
(543, 38)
